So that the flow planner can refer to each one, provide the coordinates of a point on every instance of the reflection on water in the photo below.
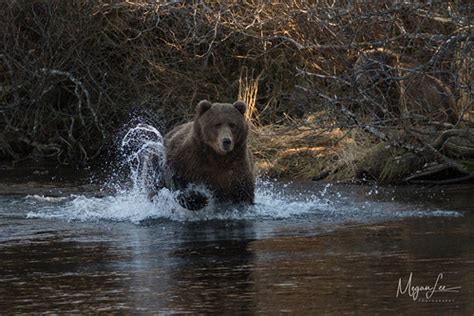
(358, 269)
(307, 263)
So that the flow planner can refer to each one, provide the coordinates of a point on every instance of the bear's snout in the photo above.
(224, 140)
(226, 143)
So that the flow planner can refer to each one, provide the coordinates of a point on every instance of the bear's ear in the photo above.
(203, 106)
(241, 106)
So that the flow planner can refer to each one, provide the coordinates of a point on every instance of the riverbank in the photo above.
(73, 74)
(308, 152)
(301, 151)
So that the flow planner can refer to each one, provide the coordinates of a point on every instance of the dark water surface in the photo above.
(306, 248)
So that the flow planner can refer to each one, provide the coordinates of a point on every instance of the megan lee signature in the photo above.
(429, 290)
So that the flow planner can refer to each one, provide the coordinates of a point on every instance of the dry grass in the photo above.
(291, 152)
(311, 152)
(71, 72)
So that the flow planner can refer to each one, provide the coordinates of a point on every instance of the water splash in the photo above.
(132, 205)
(143, 154)
(143, 151)
(273, 202)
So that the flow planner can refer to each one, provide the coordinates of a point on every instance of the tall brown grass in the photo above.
(71, 72)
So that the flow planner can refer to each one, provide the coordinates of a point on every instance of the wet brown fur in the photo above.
(193, 154)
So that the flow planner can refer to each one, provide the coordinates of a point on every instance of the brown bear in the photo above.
(394, 86)
(212, 150)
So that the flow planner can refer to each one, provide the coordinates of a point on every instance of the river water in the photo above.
(70, 243)
(67, 246)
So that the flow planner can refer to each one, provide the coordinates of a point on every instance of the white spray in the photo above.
(144, 153)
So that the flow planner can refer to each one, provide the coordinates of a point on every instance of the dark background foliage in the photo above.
(72, 72)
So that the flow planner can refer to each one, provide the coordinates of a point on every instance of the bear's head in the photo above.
(221, 126)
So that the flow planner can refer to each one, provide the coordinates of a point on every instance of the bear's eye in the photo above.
(232, 126)
(218, 125)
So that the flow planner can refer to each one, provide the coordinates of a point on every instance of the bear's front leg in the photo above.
(245, 193)
(192, 200)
